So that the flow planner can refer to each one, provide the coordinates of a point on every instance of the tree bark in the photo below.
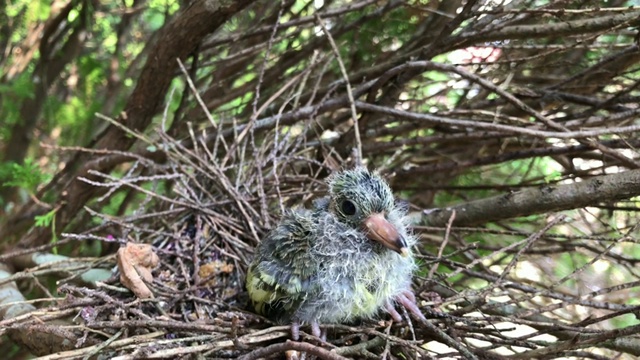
(539, 200)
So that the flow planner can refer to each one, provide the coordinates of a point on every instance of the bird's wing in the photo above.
(281, 276)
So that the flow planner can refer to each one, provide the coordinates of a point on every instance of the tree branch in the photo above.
(540, 200)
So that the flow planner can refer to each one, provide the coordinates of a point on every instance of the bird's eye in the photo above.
(348, 208)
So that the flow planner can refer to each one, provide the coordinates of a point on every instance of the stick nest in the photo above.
(183, 253)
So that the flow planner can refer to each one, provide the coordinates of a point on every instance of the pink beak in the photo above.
(380, 229)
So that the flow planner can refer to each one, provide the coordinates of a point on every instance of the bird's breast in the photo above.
(353, 288)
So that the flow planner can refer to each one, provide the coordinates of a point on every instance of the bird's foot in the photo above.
(391, 309)
(315, 331)
(408, 300)
(295, 336)
(295, 330)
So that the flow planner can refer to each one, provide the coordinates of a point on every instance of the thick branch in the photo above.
(541, 200)
(561, 28)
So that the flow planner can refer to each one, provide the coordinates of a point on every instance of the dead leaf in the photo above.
(209, 270)
(135, 262)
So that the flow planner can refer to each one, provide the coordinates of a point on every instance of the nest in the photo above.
(178, 287)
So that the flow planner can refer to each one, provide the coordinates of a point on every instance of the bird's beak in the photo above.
(381, 230)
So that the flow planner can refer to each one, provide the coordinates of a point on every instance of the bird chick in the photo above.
(344, 260)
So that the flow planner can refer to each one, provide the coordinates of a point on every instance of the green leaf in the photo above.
(46, 220)
(27, 175)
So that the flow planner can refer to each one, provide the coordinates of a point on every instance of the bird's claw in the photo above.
(395, 315)
(295, 330)
(408, 300)
(315, 331)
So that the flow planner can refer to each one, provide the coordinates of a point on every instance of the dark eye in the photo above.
(348, 208)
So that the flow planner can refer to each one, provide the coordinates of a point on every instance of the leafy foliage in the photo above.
(28, 176)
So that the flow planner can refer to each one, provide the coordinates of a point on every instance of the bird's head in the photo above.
(363, 201)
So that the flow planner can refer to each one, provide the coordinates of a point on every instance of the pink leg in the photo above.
(409, 294)
(410, 305)
(295, 330)
(395, 315)
(315, 329)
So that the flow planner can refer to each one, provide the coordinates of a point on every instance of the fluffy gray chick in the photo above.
(346, 259)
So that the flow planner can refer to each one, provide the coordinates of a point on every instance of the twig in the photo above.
(345, 76)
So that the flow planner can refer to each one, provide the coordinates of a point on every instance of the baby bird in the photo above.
(346, 259)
